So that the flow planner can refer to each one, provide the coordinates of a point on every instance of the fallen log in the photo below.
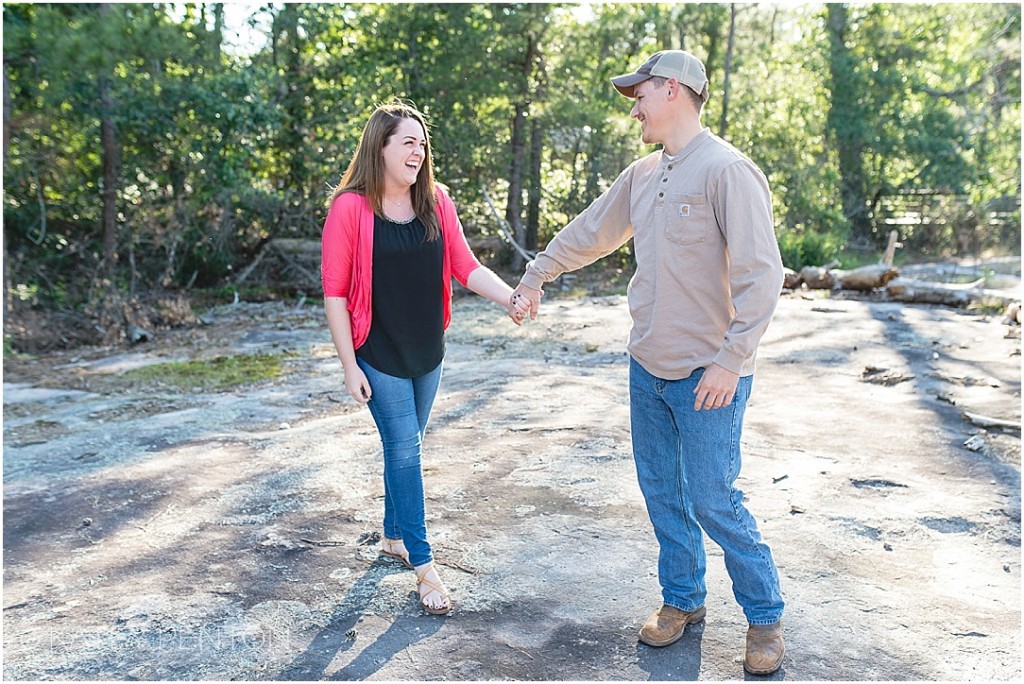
(790, 279)
(825, 278)
(866, 278)
(296, 247)
(1011, 314)
(818, 277)
(921, 292)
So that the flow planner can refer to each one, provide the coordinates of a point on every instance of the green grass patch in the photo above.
(986, 307)
(850, 259)
(222, 372)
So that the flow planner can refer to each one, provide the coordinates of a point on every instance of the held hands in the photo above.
(716, 388)
(525, 300)
(518, 308)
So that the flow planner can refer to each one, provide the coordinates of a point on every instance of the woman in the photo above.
(391, 244)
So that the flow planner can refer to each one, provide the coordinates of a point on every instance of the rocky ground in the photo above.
(155, 533)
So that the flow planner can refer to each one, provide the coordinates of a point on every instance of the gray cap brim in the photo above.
(627, 82)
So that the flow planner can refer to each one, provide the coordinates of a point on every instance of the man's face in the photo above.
(650, 108)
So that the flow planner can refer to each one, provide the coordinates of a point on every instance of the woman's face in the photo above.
(404, 154)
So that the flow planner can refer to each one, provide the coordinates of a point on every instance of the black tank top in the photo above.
(407, 324)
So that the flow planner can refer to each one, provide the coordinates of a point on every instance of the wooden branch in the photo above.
(255, 262)
(293, 252)
(505, 228)
(987, 422)
(322, 542)
(890, 249)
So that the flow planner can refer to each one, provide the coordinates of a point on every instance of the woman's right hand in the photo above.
(357, 384)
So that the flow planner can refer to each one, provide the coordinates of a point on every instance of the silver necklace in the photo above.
(399, 205)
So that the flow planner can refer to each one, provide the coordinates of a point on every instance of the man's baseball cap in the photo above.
(677, 64)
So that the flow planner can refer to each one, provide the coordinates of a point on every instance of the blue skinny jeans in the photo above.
(401, 407)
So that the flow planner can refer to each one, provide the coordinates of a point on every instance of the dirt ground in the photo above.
(152, 534)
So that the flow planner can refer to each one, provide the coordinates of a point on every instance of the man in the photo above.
(707, 281)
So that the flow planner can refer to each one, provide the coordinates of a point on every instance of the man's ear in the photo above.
(671, 88)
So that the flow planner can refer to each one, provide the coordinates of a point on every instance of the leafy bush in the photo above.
(808, 249)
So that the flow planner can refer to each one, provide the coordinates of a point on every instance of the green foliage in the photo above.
(915, 93)
(843, 106)
(808, 249)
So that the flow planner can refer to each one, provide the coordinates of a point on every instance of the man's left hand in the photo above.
(716, 388)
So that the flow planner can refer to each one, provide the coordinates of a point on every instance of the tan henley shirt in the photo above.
(708, 269)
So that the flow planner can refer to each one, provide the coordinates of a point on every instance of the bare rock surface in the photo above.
(157, 533)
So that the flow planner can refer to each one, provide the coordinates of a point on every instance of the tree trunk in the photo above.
(218, 32)
(595, 149)
(680, 20)
(534, 188)
(293, 105)
(8, 302)
(108, 138)
(714, 32)
(846, 123)
(574, 180)
(7, 115)
(514, 208)
(663, 28)
(722, 127)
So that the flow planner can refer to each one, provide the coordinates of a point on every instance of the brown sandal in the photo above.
(439, 588)
(386, 546)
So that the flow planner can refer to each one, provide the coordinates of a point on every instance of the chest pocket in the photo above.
(688, 219)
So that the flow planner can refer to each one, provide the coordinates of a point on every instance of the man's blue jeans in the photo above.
(400, 407)
(687, 462)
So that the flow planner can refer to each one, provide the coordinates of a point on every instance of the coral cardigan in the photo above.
(346, 265)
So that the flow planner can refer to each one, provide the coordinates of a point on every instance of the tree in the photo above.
(848, 121)
(525, 26)
(722, 126)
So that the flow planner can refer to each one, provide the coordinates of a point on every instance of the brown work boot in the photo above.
(765, 649)
(667, 623)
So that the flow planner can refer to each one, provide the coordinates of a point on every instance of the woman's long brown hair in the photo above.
(365, 173)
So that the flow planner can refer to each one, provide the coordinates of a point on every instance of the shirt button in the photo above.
(661, 194)
(664, 180)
